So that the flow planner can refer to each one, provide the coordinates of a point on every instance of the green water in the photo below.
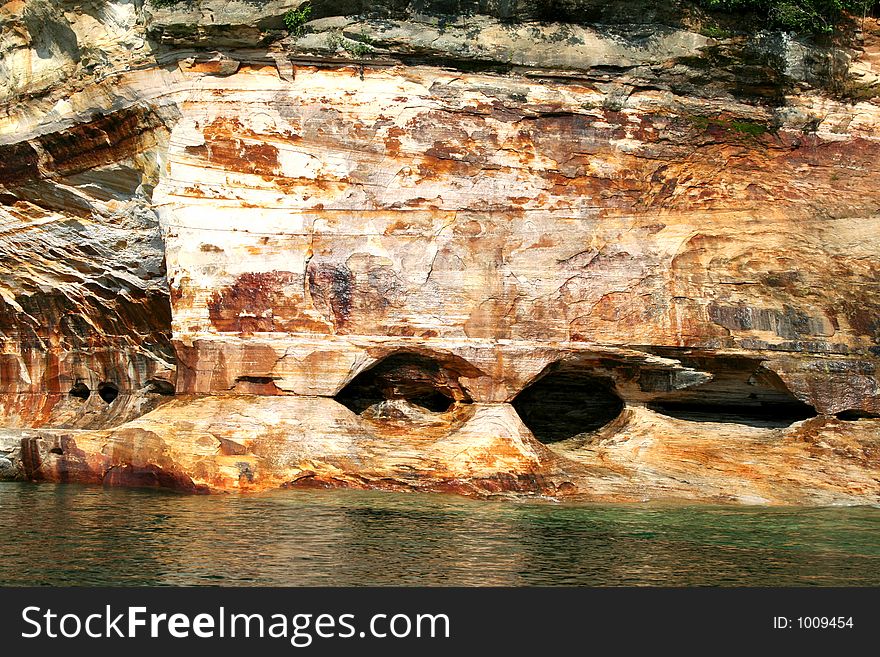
(75, 535)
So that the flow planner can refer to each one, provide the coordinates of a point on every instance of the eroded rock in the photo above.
(609, 257)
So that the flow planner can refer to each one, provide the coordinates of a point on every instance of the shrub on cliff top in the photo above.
(801, 16)
(295, 19)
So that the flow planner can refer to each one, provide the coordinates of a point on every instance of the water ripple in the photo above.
(76, 535)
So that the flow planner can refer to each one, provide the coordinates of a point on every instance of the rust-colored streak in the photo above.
(239, 155)
(151, 476)
(229, 145)
(110, 138)
(197, 151)
(248, 304)
(18, 163)
(256, 302)
(331, 287)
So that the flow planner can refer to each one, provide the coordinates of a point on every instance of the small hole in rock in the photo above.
(566, 401)
(434, 401)
(108, 392)
(419, 380)
(56, 450)
(261, 380)
(853, 414)
(80, 390)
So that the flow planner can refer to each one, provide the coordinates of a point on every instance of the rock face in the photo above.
(610, 258)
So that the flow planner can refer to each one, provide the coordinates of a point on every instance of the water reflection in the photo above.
(68, 534)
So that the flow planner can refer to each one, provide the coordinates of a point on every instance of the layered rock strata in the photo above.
(485, 254)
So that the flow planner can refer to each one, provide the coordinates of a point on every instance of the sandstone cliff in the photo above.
(617, 250)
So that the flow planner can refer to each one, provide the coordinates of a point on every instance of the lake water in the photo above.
(77, 535)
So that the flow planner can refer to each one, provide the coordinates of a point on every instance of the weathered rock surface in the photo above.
(618, 259)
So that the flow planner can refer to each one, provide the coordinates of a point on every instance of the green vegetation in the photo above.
(334, 40)
(749, 128)
(296, 19)
(801, 16)
(166, 3)
(715, 32)
(743, 127)
(359, 48)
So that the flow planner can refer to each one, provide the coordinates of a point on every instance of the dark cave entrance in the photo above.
(80, 390)
(742, 391)
(855, 414)
(108, 392)
(765, 414)
(428, 383)
(567, 401)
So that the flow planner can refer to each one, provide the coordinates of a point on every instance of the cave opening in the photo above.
(765, 415)
(566, 401)
(741, 391)
(855, 414)
(419, 380)
(259, 380)
(80, 390)
(160, 387)
(108, 392)
(434, 401)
